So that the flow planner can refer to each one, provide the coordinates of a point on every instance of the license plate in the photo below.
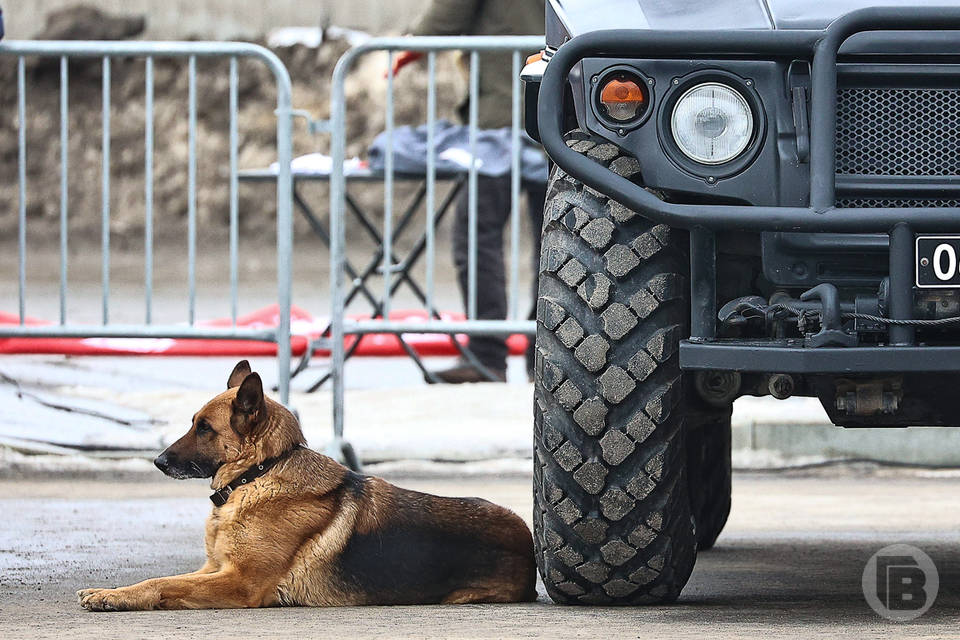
(938, 262)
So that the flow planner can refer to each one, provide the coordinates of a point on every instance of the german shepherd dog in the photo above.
(293, 527)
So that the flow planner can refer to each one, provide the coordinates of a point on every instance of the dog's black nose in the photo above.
(162, 462)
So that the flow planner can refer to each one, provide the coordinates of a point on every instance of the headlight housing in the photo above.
(712, 123)
(623, 98)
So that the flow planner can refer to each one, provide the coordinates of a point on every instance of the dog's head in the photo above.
(237, 426)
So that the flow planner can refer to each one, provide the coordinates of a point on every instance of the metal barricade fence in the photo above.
(380, 321)
(149, 51)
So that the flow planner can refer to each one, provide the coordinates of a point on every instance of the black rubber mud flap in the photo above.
(709, 467)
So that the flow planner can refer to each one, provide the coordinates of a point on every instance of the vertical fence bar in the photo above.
(192, 190)
(388, 194)
(515, 191)
(105, 193)
(148, 192)
(284, 226)
(64, 184)
(22, 186)
(472, 190)
(284, 180)
(431, 174)
(234, 194)
(338, 187)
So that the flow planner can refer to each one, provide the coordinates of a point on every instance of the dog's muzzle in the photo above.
(174, 467)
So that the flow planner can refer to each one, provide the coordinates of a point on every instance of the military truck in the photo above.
(748, 197)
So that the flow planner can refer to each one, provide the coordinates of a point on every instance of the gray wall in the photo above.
(222, 19)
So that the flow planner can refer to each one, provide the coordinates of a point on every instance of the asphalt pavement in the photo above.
(789, 564)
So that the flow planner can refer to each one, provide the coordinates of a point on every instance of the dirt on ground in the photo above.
(311, 70)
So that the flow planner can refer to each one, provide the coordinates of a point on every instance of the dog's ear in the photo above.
(249, 395)
(240, 372)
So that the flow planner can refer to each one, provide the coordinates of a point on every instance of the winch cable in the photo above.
(804, 316)
(941, 322)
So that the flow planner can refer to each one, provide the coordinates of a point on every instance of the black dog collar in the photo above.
(220, 496)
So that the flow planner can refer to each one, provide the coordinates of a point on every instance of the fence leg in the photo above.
(338, 448)
(284, 230)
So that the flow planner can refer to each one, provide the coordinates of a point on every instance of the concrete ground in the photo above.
(788, 565)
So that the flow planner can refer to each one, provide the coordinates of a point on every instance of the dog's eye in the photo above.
(203, 428)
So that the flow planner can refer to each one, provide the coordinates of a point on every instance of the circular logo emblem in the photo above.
(900, 582)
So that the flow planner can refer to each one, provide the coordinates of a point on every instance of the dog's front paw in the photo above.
(105, 600)
(83, 593)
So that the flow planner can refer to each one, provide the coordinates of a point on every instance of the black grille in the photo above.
(898, 132)
(897, 203)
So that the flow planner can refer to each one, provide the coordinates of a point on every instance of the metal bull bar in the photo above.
(381, 322)
(821, 216)
(149, 51)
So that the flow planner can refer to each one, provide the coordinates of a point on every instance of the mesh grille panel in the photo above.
(899, 203)
(899, 132)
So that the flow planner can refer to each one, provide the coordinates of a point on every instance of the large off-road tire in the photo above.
(709, 471)
(612, 514)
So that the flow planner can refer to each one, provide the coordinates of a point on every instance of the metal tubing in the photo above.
(472, 189)
(823, 119)
(387, 266)
(234, 193)
(835, 242)
(823, 124)
(338, 181)
(105, 195)
(472, 327)
(703, 285)
(359, 279)
(148, 193)
(431, 174)
(175, 331)
(515, 192)
(192, 190)
(64, 181)
(179, 49)
(22, 188)
(442, 43)
(901, 283)
(337, 237)
(717, 356)
(821, 216)
(105, 51)
(284, 220)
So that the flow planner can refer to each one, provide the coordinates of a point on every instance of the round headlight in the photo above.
(712, 123)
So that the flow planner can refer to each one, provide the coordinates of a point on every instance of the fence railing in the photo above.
(392, 270)
(149, 51)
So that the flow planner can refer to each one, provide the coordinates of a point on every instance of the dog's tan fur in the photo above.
(311, 532)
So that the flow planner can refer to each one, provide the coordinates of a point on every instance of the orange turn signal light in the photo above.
(623, 98)
(537, 57)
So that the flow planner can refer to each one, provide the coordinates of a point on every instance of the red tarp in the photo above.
(303, 326)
